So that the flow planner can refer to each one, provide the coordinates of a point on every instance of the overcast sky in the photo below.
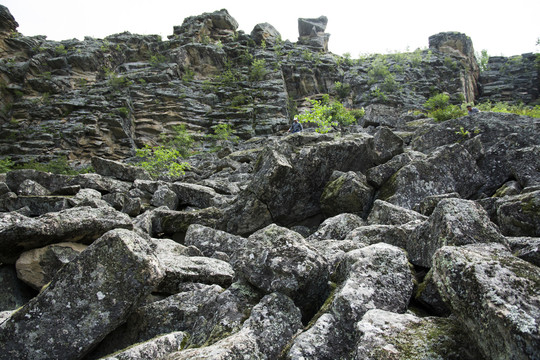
(356, 27)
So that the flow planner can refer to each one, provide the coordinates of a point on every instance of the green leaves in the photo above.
(326, 114)
(159, 160)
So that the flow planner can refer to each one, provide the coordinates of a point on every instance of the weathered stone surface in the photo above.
(382, 115)
(15, 293)
(164, 196)
(104, 291)
(19, 233)
(31, 188)
(337, 227)
(153, 349)
(397, 235)
(378, 175)
(438, 174)
(272, 324)
(519, 215)
(281, 260)
(210, 241)
(453, 222)
(384, 213)
(119, 170)
(474, 280)
(526, 248)
(387, 335)
(428, 296)
(265, 32)
(38, 266)
(197, 195)
(373, 277)
(347, 193)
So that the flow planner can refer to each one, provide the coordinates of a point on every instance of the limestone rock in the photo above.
(19, 233)
(267, 33)
(474, 280)
(519, 215)
(38, 266)
(337, 227)
(152, 349)
(15, 293)
(164, 196)
(98, 301)
(384, 213)
(119, 170)
(210, 241)
(347, 193)
(526, 248)
(397, 235)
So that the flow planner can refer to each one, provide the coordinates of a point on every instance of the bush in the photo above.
(326, 114)
(182, 141)
(6, 165)
(440, 108)
(223, 132)
(57, 166)
(504, 107)
(258, 70)
(438, 101)
(159, 160)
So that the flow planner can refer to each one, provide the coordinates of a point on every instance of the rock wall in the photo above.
(107, 97)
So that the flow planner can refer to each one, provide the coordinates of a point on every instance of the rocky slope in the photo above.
(399, 238)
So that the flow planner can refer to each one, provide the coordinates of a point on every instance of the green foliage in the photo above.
(450, 63)
(503, 107)
(223, 132)
(343, 90)
(123, 112)
(157, 60)
(258, 70)
(182, 141)
(188, 76)
(57, 166)
(60, 50)
(438, 101)
(239, 100)
(5, 165)
(326, 114)
(159, 160)
(378, 71)
(378, 94)
(482, 60)
(440, 108)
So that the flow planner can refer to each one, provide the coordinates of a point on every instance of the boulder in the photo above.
(164, 196)
(31, 188)
(90, 297)
(397, 235)
(526, 248)
(387, 335)
(494, 295)
(155, 348)
(453, 222)
(37, 267)
(15, 293)
(209, 241)
(373, 277)
(382, 115)
(347, 193)
(519, 215)
(278, 259)
(384, 213)
(272, 324)
(312, 32)
(439, 173)
(19, 233)
(379, 174)
(7, 21)
(197, 195)
(119, 170)
(267, 33)
(336, 227)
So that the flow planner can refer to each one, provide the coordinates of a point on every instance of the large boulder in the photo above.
(89, 297)
(336, 227)
(384, 213)
(519, 215)
(119, 170)
(373, 277)
(495, 295)
(347, 193)
(155, 348)
(15, 293)
(272, 324)
(265, 33)
(19, 233)
(278, 259)
(453, 222)
(387, 335)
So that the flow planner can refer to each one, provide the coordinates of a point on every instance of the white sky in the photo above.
(502, 27)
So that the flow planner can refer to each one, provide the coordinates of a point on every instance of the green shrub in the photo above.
(157, 60)
(258, 70)
(440, 108)
(343, 90)
(159, 160)
(57, 166)
(6, 165)
(503, 107)
(438, 101)
(326, 114)
(181, 141)
(223, 132)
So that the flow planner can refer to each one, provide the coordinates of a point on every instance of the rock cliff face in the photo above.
(398, 238)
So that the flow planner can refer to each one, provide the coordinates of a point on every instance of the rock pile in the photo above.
(384, 242)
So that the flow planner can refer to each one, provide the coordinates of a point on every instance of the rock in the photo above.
(19, 233)
(382, 115)
(118, 170)
(374, 277)
(31, 188)
(453, 222)
(153, 349)
(279, 259)
(525, 248)
(429, 203)
(105, 291)
(7, 21)
(397, 235)
(334, 251)
(312, 32)
(197, 195)
(336, 227)
(387, 335)
(347, 193)
(386, 145)
(429, 298)
(267, 33)
(378, 175)
(38, 266)
(272, 324)
(210, 241)
(163, 220)
(474, 281)
(519, 215)
(14, 292)
(384, 213)
(438, 174)
(164, 196)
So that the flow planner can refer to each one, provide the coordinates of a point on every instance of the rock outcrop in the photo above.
(397, 237)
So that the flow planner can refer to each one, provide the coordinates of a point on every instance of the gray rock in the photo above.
(210, 241)
(519, 215)
(164, 196)
(428, 296)
(197, 195)
(281, 260)
(378, 175)
(31, 188)
(163, 220)
(272, 324)
(384, 213)
(90, 296)
(453, 222)
(14, 292)
(374, 277)
(397, 235)
(382, 115)
(495, 295)
(347, 193)
(19, 233)
(119, 170)
(267, 33)
(37, 267)
(526, 248)
(387, 335)
(438, 174)
(336, 227)
(429, 203)
(153, 349)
